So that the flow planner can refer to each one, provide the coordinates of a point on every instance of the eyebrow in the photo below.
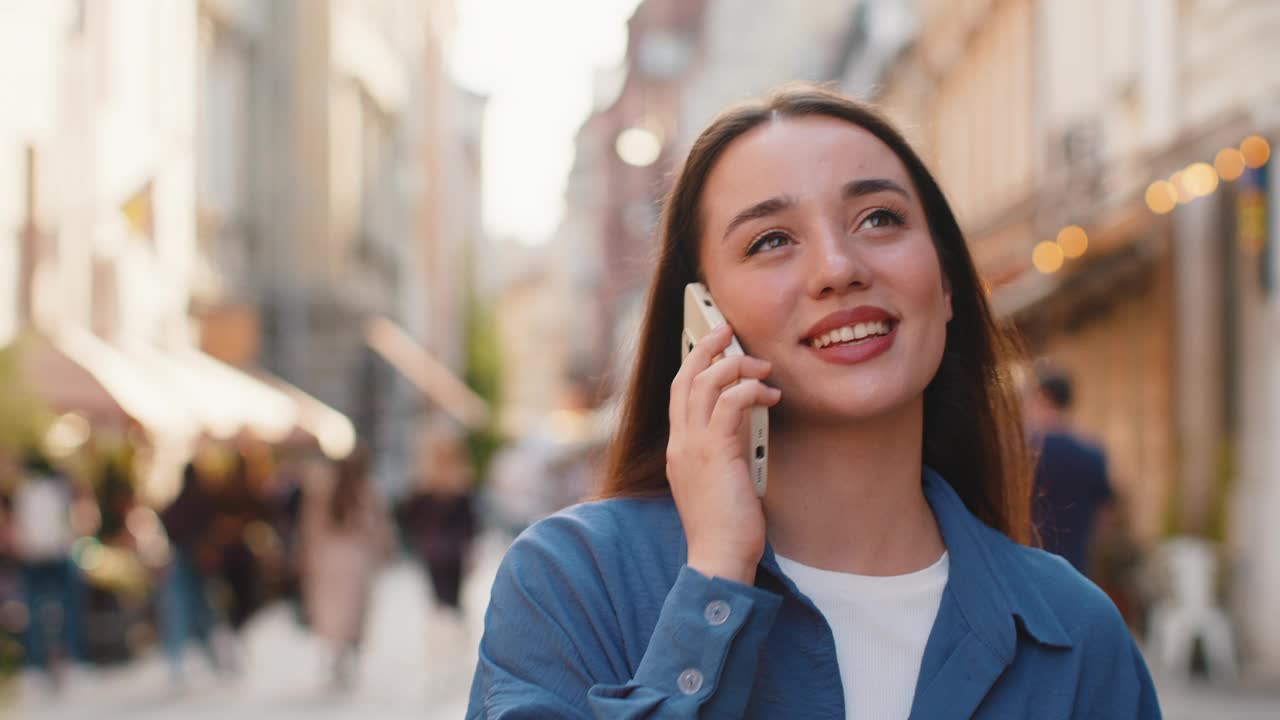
(870, 186)
(851, 189)
(761, 209)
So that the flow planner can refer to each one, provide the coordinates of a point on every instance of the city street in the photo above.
(417, 664)
(282, 281)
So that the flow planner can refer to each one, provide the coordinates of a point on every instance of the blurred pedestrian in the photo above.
(42, 538)
(12, 610)
(439, 518)
(345, 539)
(285, 501)
(239, 509)
(186, 613)
(115, 498)
(1071, 486)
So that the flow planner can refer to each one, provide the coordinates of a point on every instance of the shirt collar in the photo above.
(993, 589)
(987, 579)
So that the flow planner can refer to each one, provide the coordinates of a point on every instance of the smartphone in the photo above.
(701, 316)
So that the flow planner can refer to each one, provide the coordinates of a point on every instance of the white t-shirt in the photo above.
(880, 625)
(41, 520)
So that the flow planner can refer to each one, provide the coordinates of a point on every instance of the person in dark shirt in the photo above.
(187, 613)
(439, 520)
(1071, 482)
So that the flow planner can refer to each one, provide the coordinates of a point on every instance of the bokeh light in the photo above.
(1200, 178)
(1162, 197)
(66, 434)
(1229, 163)
(1179, 182)
(638, 146)
(1073, 240)
(1256, 151)
(1047, 257)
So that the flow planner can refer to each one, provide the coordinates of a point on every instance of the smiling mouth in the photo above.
(851, 334)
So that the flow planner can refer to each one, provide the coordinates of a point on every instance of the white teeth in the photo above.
(851, 333)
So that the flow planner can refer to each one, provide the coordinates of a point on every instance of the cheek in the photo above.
(921, 279)
(758, 309)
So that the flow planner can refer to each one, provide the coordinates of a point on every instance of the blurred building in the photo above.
(104, 165)
(532, 329)
(636, 148)
(338, 184)
(204, 197)
(1050, 126)
(101, 163)
(751, 46)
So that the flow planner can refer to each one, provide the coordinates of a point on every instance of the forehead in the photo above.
(804, 158)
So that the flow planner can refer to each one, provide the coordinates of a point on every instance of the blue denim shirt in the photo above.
(595, 614)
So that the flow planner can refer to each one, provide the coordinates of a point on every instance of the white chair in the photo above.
(1189, 611)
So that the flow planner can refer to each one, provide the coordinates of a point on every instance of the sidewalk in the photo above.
(417, 663)
(1198, 701)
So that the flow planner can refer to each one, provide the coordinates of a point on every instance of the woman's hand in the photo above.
(706, 462)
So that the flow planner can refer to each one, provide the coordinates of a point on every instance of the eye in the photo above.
(768, 241)
(880, 219)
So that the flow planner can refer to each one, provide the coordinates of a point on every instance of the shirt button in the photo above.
(717, 612)
(689, 682)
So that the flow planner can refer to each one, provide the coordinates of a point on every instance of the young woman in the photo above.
(885, 573)
(346, 538)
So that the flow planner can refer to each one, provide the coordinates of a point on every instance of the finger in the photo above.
(736, 401)
(710, 383)
(699, 359)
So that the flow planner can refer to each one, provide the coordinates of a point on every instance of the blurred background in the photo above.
(308, 306)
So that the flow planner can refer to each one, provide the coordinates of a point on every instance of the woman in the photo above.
(885, 572)
(345, 538)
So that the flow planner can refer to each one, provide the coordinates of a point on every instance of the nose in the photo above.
(836, 266)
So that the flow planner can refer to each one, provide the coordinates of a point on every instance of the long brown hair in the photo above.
(972, 417)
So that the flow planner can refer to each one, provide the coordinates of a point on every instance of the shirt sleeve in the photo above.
(553, 646)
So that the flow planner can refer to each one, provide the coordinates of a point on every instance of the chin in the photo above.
(850, 405)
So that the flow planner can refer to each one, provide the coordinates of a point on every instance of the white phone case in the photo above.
(700, 316)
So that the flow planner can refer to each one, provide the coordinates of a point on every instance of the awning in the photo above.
(432, 377)
(63, 385)
(331, 429)
(226, 401)
(135, 392)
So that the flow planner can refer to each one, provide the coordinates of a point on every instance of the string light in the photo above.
(1162, 197)
(1256, 151)
(1047, 257)
(1200, 179)
(1073, 240)
(1229, 162)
